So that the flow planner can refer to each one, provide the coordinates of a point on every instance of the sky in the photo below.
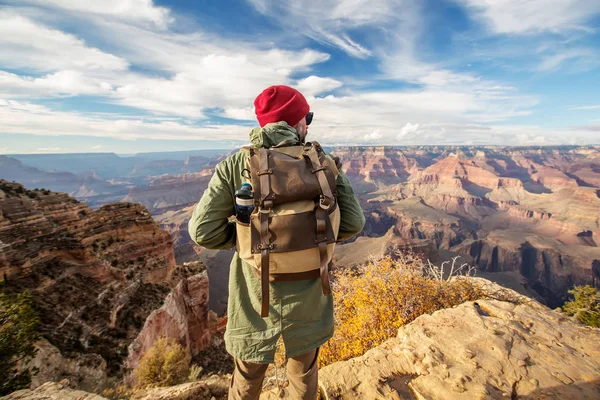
(131, 76)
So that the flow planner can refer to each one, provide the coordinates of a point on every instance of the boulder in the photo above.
(213, 388)
(53, 391)
(488, 349)
(88, 370)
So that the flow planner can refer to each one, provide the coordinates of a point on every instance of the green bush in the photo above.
(585, 306)
(18, 332)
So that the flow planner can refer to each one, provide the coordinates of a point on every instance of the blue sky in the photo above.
(142, 75)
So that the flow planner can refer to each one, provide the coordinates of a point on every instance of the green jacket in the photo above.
(298, 310)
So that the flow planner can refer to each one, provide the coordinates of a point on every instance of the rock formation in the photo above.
(95, 275)
(216, 262)
(184, 317)
(504, 346)
(84, 187)
(53, 390)
(171, 192)
(88, 371)
(215, 387)
(530, 210)
(489, 349)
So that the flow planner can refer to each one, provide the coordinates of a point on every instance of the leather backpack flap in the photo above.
(291, 178)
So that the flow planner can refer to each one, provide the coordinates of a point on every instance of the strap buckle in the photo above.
(325, 203)
(267, 172)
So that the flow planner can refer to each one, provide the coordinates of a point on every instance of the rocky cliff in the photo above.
(183, 317)
(490, 349)
(504, 346)
(95, 274)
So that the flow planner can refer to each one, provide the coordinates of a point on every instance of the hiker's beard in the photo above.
(302, 130)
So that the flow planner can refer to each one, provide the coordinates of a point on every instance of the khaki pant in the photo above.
(302, 373)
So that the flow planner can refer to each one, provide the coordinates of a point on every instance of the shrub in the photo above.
(166, 363)
(373, 301)
(585, 306)
(18, 332)
(195, 373)
(120, 392)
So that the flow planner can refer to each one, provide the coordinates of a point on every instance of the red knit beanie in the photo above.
(280, 103)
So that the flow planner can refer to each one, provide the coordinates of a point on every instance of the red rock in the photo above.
(183, 317)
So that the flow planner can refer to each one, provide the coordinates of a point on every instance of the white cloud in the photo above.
(594, 107)
(189, 76)
(50, 149)
(29, 118)
(407, 130)
(201, 72)
(130, 10)
(97, 147)
(331, 21)
(534, 16)
(373, 136)
(62, 83)
(241, 114)
(407, 116)
(314, 85)
(226, 80)
(553, 61)
(29, 45)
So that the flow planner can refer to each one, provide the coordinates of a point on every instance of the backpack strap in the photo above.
(326, 201)
(265, 208)
(311, 152)
(321, 241)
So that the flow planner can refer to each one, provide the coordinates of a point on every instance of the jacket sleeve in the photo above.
(209, 226)
(352, 217)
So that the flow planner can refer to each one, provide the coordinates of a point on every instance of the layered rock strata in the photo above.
(95, 275)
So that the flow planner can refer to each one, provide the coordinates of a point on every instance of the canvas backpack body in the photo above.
(294, 225)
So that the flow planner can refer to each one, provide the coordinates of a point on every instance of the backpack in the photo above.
(294, 225)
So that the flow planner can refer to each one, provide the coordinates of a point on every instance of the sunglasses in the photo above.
(309, 118)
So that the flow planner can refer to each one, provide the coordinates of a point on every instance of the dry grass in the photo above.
(371, 302)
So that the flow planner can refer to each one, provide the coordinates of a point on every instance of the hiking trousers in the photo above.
(302, 373)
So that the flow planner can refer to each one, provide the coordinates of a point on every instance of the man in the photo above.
(298, 310)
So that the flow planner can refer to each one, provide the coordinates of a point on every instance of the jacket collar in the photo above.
(272, 134)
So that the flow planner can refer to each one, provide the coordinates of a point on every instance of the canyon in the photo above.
(108, 279)
(530, 211)
(100, 280)
(535, 211)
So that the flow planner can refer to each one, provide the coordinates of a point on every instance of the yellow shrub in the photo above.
(118, 393)
(165, 364)
(373, 301)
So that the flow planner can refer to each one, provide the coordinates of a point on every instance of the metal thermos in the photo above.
(244, 203)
